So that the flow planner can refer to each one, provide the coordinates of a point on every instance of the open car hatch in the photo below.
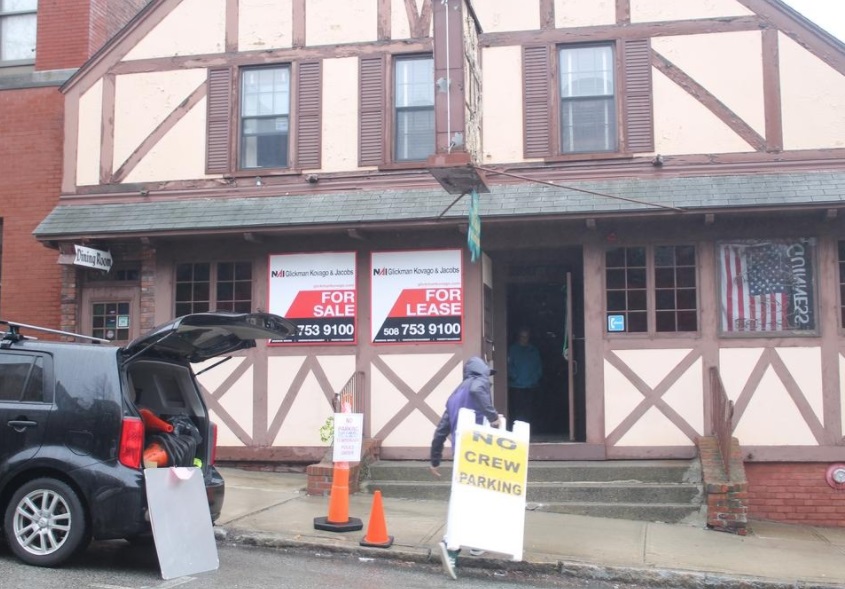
(202, 336)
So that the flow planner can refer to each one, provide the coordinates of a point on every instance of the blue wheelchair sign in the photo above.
(616, 323)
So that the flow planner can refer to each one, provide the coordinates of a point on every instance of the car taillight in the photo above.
(213, 442)
(131, 442)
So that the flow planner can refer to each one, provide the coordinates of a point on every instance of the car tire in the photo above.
(45, 523)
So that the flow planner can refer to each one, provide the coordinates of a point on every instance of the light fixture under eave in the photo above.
(460, 179)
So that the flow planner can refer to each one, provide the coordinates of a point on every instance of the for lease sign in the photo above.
(317, 292)
(417, 296)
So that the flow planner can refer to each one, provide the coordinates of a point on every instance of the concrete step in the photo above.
(670, 513)
(553, 493)
(635, 471)
(647, 490)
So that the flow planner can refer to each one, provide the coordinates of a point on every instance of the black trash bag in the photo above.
(180, 444)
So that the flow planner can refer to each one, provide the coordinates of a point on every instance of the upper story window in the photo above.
(17, 31)
(651, 289)
(587, 99)
(767, 286)
(265, 117)
(602, 103)
(221, 286)
(414, 104)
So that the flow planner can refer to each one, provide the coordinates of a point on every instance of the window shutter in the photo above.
(536, 92)
(639, 114)
(309, 145)
(371, 115)
(218, 140)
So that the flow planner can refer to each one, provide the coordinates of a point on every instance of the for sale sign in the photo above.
(316, 292)
(417, 296)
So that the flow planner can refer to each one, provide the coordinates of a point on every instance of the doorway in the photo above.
(545, 299)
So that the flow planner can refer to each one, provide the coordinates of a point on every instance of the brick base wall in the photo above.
(794, 493)
(320, 475)
(727, 498)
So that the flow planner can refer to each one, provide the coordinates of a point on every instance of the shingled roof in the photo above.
(701, 194)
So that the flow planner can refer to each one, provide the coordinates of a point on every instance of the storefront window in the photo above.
(222, 286)
(651, 289)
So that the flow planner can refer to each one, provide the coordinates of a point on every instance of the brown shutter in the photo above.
(309, 145)
(536, 95)
(218, 143)
(371, 115)
(639, 114)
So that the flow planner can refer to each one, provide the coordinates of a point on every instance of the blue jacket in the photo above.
(473, 393)
(524, 366)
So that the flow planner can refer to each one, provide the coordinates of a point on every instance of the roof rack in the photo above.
(14, 334)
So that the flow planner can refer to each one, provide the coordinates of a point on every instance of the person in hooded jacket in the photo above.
(473, 393)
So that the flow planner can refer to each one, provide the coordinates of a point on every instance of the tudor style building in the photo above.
(665, 183)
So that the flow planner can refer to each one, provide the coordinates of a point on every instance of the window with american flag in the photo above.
(767, 285)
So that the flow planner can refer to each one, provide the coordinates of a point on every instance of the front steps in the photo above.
(649, 490)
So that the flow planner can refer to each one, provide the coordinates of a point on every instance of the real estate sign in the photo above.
(417, 296)
(318, 293)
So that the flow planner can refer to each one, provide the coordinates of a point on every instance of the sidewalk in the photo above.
(272, 509)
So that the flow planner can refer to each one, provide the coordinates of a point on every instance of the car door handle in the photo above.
(20, 425)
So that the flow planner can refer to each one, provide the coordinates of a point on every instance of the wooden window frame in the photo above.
(634, 100)
(238, 103)
(651, 293)
(557, 101)
(19, 62)
(394, 108)
(224, 122)
(212, 283)
(389, 161)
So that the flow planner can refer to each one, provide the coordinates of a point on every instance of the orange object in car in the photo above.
(152, 421)
(154, 454)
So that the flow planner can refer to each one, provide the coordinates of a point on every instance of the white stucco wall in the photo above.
(309, 406)
(180, 154)
(685, 397)
(330, 22)
(265, 24)
(502, 126)
(772, 417)
(340, 114)
(143, 101)
(400, 25)
(584, 13)
(728, 65)
(506, 15)
(194, 27)
(682, 125)
(812, 97)
(89, 139)
(387, 401)
(660, 10)
(237, 401)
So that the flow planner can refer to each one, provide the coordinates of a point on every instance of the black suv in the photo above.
(72, 437)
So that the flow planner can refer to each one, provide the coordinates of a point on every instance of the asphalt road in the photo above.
(117, 565)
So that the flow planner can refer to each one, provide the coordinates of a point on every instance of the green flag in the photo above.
(474, 230)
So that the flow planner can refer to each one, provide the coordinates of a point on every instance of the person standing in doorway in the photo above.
(473, 393)
(525, 369)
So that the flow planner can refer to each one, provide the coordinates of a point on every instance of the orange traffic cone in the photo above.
(338, 519)
(153, 422)
(377, 530)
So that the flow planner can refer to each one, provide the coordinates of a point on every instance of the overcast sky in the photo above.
(829, 14)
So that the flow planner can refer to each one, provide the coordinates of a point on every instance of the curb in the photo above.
(651, 577)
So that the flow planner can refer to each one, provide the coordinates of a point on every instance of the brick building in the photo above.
(41, 44)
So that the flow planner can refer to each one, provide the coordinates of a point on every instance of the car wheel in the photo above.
(45, 522)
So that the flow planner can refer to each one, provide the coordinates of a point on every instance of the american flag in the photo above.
(756, 284)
